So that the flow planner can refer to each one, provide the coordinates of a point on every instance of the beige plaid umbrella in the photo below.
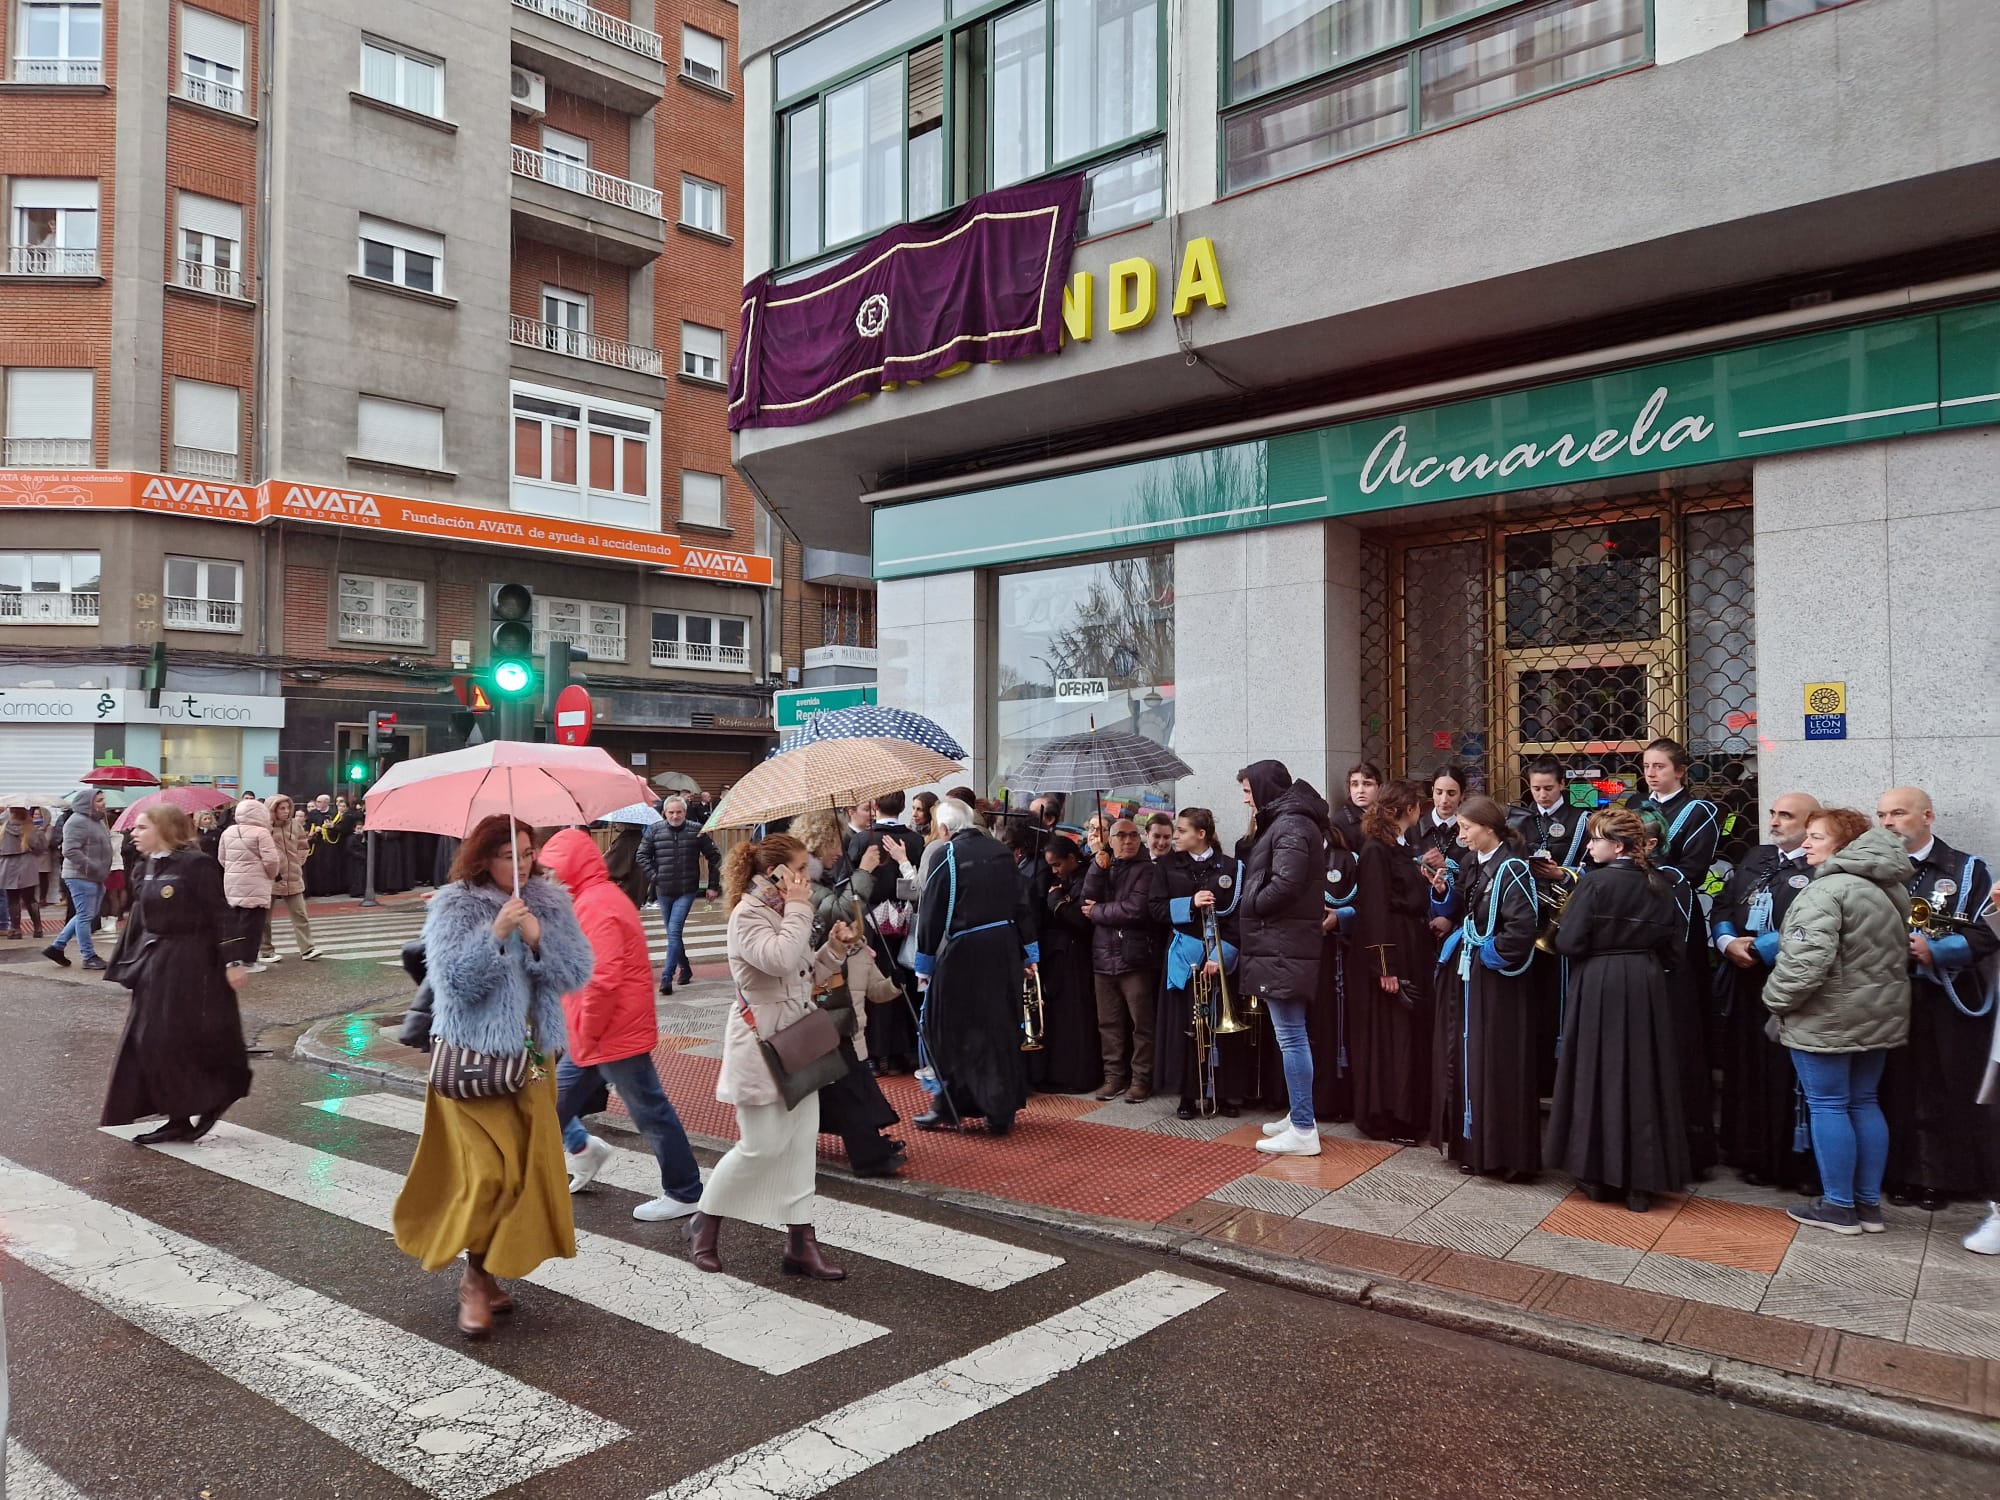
(828, 773)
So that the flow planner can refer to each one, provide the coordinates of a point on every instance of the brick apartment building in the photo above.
(319, 319)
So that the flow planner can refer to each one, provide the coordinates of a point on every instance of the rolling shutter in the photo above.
(46, 757)
(399, 432)
(206, 416)
(54, 192)
(49, 403)
(211, 216)
(216, 38)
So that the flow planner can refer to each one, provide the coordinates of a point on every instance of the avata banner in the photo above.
(278, 499)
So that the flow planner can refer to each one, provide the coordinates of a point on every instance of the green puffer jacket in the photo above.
(1842, 981)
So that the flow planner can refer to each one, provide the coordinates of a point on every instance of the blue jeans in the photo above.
(1288, 1020)
(674, 912)
(1850, 1137)
(638, 1084)
(84, 895)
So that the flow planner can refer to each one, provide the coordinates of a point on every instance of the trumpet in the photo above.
(1558, 898)
(1034, 1013)
(1934, 921)
(1209, 1021)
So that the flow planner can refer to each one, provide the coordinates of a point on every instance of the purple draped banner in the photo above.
(983, 285)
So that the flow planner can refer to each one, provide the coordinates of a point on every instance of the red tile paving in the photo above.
(1338, 1164)
(1750, 1337)
(1357, 1250)
(1275, 1232)
(1613, 1223)
(1623, 1309)
(1728, 1234)
(1904, 1370)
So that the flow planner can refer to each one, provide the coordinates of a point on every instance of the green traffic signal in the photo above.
(357, 769)
(512, 678)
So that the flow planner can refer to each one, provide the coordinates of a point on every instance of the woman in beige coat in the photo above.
(295, 846)
(767, 1176)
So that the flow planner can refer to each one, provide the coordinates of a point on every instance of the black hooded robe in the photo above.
(975, 934)
(1389, 1036)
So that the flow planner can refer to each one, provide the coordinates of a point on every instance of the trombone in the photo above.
(1034, 1013)
(1213, 1015)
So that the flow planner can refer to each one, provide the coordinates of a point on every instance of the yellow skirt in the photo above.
(488, 1177)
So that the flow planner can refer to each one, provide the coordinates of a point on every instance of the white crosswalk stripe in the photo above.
(968, 1259)
(765, 1330)
(28, 1478)
(445, 1423)
(352, 933)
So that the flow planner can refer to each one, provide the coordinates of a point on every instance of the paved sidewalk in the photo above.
(1716, 1275)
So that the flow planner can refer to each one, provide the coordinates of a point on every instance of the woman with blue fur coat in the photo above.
(489, 1178)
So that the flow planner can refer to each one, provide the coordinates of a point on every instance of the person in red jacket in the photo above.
(612, 1032)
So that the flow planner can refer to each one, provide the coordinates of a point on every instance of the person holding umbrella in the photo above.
(86, 864)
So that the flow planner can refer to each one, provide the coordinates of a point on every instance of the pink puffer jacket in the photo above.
(249, 855)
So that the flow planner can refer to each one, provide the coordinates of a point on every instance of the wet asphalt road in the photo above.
(1256, 1392)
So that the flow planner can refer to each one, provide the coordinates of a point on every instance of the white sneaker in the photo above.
(1292, 1143)
(253, 968)
(1985, 1240)
(270, 958)
(1278, 1126)
(312, 953)
(656, 1210)
(584, 1165)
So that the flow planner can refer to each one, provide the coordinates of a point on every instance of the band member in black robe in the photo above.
(1194, 880)
(975, 939)
(1943, 1144)
(1552, 834)
(1437, 837)
(326, 866)
(183, 959)
(1329, 1023)
(1393, 955)
(1692, 830)
(1616, 1123)
(1489, 1110)
(1765, 1130)
(1364, 780)
(1072, 1057)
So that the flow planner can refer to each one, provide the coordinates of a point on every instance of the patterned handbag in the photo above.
(460, 1073)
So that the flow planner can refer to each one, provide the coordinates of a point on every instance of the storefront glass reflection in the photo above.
(1081, 648)
(200, 756)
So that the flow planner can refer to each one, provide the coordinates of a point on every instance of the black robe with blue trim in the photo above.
(1763, 1109)
(1562, 831)
(1329, 1024)
(1390, 1035)
(1488, 1104)
(1178, 877)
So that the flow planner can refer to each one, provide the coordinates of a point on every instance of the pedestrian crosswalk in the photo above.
(378, 933)
(444, 1418)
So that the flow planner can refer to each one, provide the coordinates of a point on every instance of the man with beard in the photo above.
(1125, 951)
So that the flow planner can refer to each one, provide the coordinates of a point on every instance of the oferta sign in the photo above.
(1910, 375)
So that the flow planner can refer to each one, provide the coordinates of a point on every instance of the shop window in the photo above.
(200, 755)
(212, 49)
(211, 244)
(1318, 80)
(1584, 584)
(200, 594)
(49, 588)
(401, 433)
(381, 609)
(58, 41)
(1090, 644)
(396, 75)
(50, 419)
(583, 459)
(402, 256)
(53, 226)
(712, 642)
(593, 630)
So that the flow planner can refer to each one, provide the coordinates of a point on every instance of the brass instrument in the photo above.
(1209, 1022)
(1558, 899)
(1933, 921)
(1034, 1013)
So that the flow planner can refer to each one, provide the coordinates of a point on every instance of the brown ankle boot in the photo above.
(496, 1295)
(704, 1231)
(803, 1256)
(475, 1303)
(1112, 1087)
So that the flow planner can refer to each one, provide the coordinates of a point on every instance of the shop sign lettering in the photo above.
(195, 495)
(305, 501)
(1132, 292)
(1082, 690)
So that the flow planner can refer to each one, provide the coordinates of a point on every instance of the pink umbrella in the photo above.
(189, 799)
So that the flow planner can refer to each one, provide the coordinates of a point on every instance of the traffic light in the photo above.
(511, 667)
(153, 676)
(356, 770)
(378, 739)
(555, 677)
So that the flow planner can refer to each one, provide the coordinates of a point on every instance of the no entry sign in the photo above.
(574, 715)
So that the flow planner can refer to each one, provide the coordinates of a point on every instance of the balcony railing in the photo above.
(58, 70)
(47, 453)
(215, 95)
(695, 654)
(590, 647)
(200, 276)
(203, 614)
(563, 173)
(532, 334)
(206, 463)
(403, 629)
(619, 33)
(50, 260)
(48, 609)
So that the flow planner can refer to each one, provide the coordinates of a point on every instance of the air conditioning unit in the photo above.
(529, 92)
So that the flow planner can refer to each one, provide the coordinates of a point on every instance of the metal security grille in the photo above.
(1578, 631)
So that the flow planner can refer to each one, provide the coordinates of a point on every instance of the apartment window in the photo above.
(702, 57)
(1332, 77)
(701, 499)
(566, 160)
(208, 422)
(398, 76)
(202, 594)
(565, 321)
(49, 419)
(701, 205)
(49, 588)
(211, 244)
(381, 609)
(585, 459)
(407, 257)
(58, 42)
(399, 432)
(54, 229)
(212, 59)
(701, 351)
(596, 630)
(714, 642)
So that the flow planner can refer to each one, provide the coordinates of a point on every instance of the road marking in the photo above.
(934, 1249)
(445, 1423)
(834, 1448)
(766, 1330)
(28, 1478)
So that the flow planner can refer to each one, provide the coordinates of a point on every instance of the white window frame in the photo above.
(565, 159)
(72, 248)
(379, 409)
(594, 628)
(205, 260)
(72, 446)
(590, 497)
(388, 600)
(721, 520)
(680, 652)
(401, 241)
(698, 68)
(22, 603)
(202, 610)
(214, 81)
(202, 460)
(696, 362)
(402, 58)
(699, 190)
(66, 66)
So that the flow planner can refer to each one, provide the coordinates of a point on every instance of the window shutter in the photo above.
(420, 240)
(399, 432)
(206, 416)
(211, 216)
(705, 342)
(704, 52)
(49, 403)
(205, 34)
(54, 192)
(926, 87)
(701, 498)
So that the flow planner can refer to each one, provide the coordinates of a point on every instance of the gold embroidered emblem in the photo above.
(166, 893)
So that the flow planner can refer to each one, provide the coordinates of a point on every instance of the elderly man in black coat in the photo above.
(1126, 947)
